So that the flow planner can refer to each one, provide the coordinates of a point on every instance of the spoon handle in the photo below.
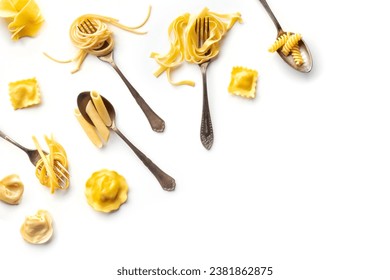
(166, 181)
(271, 14)
(155, 121)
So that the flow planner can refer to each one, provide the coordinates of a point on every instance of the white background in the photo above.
(297, 178)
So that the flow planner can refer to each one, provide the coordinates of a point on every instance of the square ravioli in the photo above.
(24, 93)
(243, 82)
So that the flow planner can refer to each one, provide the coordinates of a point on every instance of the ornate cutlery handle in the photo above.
(206, 126)
(166, 181)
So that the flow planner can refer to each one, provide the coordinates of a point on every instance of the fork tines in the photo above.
(87, 27)
(202, 30)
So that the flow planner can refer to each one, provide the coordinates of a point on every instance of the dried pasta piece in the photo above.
(183, 42)
(296, 54)
(47, 170)
(243, 82)
(89, 129)
(93, 43)
(11, 189)
(38, 228)
(101, 128)
(24, 93)
(106, 190)
(280, 41)
(292, 41)
(24, 17)
(101, 108)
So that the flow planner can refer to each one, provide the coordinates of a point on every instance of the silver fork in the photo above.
(202, 30)
(61, 173)
(155, 121)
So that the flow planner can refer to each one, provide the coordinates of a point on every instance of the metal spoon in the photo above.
(166, 181)
(308, 64)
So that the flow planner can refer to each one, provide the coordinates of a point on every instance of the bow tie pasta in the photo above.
(24, 17)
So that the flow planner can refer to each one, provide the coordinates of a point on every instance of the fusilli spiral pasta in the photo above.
(291, 42)
(296, 54)
(280, 41)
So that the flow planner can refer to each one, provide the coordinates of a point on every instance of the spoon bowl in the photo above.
(166, 181)
(304, 49)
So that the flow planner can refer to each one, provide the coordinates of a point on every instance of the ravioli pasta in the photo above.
(24, 93)
(100, 42)
(24, 17)
(183, 41)
(47, 170)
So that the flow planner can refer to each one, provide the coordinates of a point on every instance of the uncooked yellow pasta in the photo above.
(24, 93)
(183, 41)
(47, 169)
(101, 128)
(38, 228)
(100, 107)
(106, 190)
(296, 54)
(11, 189)
(88, 129)
(280, 41)
(24, 17)
(290, 43)
(243, 82)
(101, 41)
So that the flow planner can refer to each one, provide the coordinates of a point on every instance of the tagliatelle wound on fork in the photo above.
(183, 40)
(93, 43)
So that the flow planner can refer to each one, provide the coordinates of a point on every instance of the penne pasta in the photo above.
(88, 129)
(102, 129)
(100, 107)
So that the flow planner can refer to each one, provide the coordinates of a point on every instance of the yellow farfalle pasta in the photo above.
(47, 170)
(11, 189)
(24, 93)
(106, 190)
(296, 54)
(243, 82)
(100, 42)
(38, 228)
(290, 43)
(183, 41)
(280, 41)
(24, 17)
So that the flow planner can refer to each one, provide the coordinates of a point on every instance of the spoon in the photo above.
(166, 181)
(308, 60)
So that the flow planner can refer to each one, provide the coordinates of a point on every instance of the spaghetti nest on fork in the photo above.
(90, 34)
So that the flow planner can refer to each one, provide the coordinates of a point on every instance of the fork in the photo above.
(34, 157)
(202, 30)
(155, 121)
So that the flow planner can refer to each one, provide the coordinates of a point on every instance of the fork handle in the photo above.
(12, 141)
(166, 181)
(155, 121)
(206, 126)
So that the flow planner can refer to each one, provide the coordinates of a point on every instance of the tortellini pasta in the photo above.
(38, 228)
(11, 189)
(24, 17)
